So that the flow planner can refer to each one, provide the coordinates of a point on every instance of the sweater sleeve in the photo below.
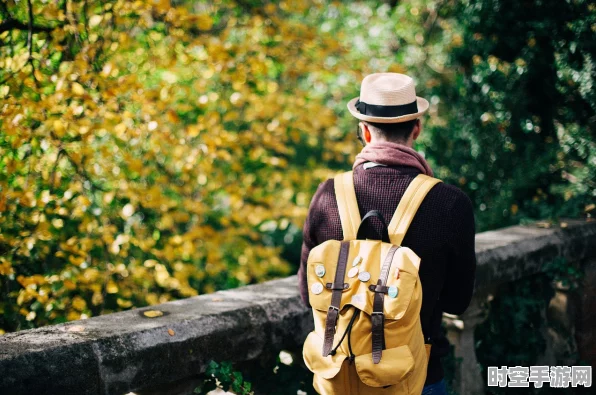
(309, 241)
(461, 265)
(307, 244)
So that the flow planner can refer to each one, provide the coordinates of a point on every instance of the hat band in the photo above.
(376, 110)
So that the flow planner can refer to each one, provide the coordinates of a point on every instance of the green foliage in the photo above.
(451, 365)
(513, 333)
(285, 374)
(222, 375)
(519, 134)
(559, 270)
(282, 375)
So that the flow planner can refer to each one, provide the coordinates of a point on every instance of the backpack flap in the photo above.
(401, 283)
(370, 255)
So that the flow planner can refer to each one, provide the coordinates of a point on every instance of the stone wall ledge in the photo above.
(126, 351)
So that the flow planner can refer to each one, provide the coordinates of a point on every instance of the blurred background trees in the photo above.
(153, 150)
(522, 109)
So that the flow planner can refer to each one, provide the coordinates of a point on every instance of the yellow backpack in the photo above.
(366, 297)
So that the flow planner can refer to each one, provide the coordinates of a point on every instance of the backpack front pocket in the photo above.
(396, 365)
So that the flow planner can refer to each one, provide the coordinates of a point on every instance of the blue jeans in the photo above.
(437, 388)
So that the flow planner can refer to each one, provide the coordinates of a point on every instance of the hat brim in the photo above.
(421, 103)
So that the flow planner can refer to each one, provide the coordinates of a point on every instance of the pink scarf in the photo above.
(392, 154)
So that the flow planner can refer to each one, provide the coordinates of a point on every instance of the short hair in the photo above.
(393, 131)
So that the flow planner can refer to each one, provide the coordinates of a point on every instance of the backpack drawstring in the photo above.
(352, 356)
(348, 332)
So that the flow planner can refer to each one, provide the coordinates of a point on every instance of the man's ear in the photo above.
(417, 129)
(365, 132)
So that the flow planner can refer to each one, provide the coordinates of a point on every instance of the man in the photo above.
(443, 229)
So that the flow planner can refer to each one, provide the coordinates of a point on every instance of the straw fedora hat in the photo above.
(387, 98)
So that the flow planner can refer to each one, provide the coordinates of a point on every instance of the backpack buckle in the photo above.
(377, 288)
(337, 288)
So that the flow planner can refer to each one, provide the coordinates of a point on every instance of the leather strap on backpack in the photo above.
(336, 290)
(378, 316)
(347, 204)
(408, 205)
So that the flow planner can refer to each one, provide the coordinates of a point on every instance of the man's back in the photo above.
(441, 234)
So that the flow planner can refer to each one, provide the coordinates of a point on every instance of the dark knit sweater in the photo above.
(441, 234)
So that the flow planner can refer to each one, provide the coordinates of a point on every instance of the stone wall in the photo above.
(127, 351)
(514, 253)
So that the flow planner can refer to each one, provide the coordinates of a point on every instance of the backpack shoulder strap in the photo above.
(408, 205)
(347, 204)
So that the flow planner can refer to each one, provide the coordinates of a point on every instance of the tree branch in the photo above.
(30, 41)
(10, 23)
(13, 24)
(30, 29)
(71, 19)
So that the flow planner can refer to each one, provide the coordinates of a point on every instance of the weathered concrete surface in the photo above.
(122, 352)
(117, 353)
(511, 253)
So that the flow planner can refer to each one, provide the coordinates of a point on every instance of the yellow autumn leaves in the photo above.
(144, 147)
